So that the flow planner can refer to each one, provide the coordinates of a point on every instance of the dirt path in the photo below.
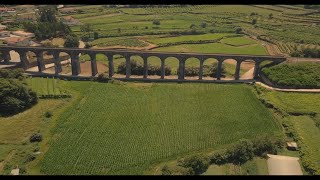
(248, 74)
(283, 165)
(288, 90)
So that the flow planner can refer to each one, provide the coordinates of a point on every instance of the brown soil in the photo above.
(246, 65)
(86, 68)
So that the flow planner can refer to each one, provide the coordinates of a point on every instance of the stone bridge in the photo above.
(182, 57)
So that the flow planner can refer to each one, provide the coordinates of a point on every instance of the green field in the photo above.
(47, 87)
(256, 166)
(124, 129)
(123, 41)
(296, 75)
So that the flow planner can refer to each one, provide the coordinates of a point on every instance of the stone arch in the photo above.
(172, 63)
(210, 66)
(119, 62)
(192, 67)
(98, 64)
(14, 56)
(154, 63)
(136, 65)
(230, 65)
(247, 69)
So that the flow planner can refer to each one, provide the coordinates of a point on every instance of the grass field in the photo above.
(309, 139)
(257, 166)
(47, 86)
(121, 41)
(295, 102)
(107, 133)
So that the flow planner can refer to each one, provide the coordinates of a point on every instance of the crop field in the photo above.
(296, 102)
(47, 87)
(125, 128)
(123, 41)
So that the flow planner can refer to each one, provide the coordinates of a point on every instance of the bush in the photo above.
(102, 77)
(156, 22)
(242, 151)
(36, 137)
(29, 158)
(14, 73)
(203, 25)
(48, 114)
(176, 170)
(15, 96)
(208, 70)
(137, 69)
(71, 41)
(238, 30)
(198, 163)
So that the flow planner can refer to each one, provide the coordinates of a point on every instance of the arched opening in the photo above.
(32, 61)
(119, 63)
(86, 68)
(210, 67)
(48, 61)
(191, 70)
(154, 68)
(230, 69)
(14, 58)
(65, 62)
(172, 63)
(247, 69)
(136, 66)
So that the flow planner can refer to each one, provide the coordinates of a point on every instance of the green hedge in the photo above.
(298, 75)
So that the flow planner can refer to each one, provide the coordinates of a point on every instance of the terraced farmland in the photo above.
(126, 128)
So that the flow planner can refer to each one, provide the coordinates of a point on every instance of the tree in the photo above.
(192, 26)
(86, 28)
(71, 41)
(95, 35)
(15, 96)
(203, 25)
(242, 151)
(198, 163)
(47, 14)
(238, 30)
(254, 21)
(270, 16)
(156, 22)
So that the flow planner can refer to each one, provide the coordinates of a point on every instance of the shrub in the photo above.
(198, 163)
(15, 96)
(102, 77)
(238, 30)
(156, 22)
(176, 170)
(36, 137)
(71, 41)
(48, 114)
(137, 69)
(14, 73)
(242, 151)
(29, 158)
(208, 70)
(203, 25)
(220, 157)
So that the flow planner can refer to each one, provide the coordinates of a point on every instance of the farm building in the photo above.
(17, 41)
(23, 34)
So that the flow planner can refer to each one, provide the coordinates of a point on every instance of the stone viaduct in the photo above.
(182, 57)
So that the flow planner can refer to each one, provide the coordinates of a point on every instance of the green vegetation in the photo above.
(15, 96)
(48, 87)
(119, 41)
(238, 41)
(256, 166)
(298, 75)
(47, 25)
(171, 109)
